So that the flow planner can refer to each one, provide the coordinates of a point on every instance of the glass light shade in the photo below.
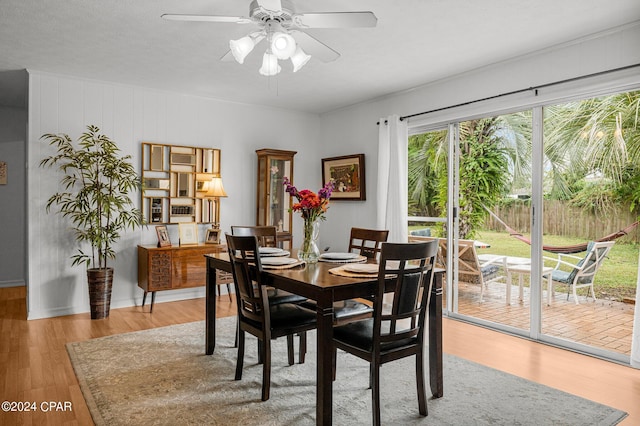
(299, 59)
(269, 65)
(215, 188)
(241, 48)
(282, 45)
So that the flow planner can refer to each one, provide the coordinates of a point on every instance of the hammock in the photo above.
(577, 248)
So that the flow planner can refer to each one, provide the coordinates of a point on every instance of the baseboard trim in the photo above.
(15, 283)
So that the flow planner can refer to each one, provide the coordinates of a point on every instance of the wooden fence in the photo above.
(564, 220)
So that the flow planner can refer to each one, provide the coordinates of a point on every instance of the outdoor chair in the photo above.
(256, 315)
(582, 270)
(397, 329)
(471, 269)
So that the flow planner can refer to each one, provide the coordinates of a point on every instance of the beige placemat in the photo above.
(359, 259)
(289, 266)
(344, 273)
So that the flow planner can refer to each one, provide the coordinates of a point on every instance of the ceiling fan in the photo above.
(283, 28)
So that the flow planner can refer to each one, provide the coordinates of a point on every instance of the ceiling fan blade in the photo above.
(335, 20)
(270, 5)
(314, 47)
(227, 57)
(207, 18)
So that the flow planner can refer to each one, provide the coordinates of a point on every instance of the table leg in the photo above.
(508, 286)
(324, 395)
(435, 337)
(521, 287)
(210, 311)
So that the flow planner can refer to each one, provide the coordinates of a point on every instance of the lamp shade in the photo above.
(215, 188)
(299, 59)
(241, 48)
(282, 45)
(269, 65)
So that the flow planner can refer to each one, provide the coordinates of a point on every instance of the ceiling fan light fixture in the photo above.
(270, 65)
(241, 48)
(299, 59)
(282, 45)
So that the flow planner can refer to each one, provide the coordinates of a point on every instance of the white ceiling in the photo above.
(414, 43)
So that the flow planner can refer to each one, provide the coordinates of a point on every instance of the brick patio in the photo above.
(604, 324)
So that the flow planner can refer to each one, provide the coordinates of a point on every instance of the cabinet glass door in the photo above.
(279, 200)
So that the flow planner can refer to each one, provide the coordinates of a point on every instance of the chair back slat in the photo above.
(367, 242)
(267, 235)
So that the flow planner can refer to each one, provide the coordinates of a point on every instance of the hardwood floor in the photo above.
(34, 365)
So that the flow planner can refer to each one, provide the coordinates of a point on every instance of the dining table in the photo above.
(315, 282)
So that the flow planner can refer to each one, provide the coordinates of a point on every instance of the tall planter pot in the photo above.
(100, 283)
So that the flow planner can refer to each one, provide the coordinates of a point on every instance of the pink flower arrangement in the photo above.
(311, 206)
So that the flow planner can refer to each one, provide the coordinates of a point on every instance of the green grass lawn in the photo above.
(615, 280)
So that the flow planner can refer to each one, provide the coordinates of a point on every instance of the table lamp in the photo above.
(215, 192)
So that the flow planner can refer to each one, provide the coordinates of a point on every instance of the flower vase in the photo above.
(309, 251)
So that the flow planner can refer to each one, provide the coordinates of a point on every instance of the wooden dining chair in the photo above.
(396, 330)
(267, 235)
(256, 315)
(367, 242)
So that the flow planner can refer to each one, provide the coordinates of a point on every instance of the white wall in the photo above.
(13, 131)
(353, 129)
(130, 115)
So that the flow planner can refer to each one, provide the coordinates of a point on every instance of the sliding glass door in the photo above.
(520, 198)
(591, 175)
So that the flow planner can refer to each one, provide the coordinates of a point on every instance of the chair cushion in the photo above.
(350, 308)
(343, 309)
(360, 335)
(289, 315)
(561, 276)
(424, 232)
(490, 270)
(277, 296)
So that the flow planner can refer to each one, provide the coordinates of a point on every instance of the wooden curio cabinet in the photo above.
(273, 202)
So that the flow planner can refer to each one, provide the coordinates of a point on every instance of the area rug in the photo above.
(162, 377)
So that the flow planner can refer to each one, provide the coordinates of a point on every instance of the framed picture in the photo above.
(347, 173)
(213, 236)
(163, 236)
(188, 233)
(3, 173)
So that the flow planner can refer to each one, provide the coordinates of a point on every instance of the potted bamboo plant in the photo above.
(96, 185)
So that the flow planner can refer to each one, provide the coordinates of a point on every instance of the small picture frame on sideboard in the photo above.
(163, 236)
(188, 233)
(212, 236)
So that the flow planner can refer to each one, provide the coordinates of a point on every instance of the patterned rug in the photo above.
(162, 377)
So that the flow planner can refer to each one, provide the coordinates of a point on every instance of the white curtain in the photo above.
(392, 195)
(635, 339)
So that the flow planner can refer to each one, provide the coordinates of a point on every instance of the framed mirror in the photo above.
(157, 158)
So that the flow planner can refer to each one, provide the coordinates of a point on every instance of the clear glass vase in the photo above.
(309, 251)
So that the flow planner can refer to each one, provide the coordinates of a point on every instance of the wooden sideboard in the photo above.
(176, 267)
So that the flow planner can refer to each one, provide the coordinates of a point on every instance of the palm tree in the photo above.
(488, 159)
(598, 137)
(593, 137)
